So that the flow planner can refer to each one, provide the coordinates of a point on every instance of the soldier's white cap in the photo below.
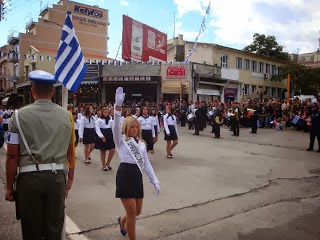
(41, 77)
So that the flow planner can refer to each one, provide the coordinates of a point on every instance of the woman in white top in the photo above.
(104, 141)
(155, 123)
(134, 161)
(125, 113)
(148, 133)
(170, 131)
(87, 133)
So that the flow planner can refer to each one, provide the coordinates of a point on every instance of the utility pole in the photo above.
(288, 90)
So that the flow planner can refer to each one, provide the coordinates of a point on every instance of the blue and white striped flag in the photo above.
(70, 67)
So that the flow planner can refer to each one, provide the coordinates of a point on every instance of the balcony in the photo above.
(30, 23)
(44, 10)
(13, 58)
(13, 37)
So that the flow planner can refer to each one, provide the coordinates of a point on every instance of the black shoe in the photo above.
(196, 134)
(309, 149)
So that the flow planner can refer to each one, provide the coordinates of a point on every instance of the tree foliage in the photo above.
(304, 80)
(267, 46)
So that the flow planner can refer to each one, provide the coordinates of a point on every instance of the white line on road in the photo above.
(71, 227)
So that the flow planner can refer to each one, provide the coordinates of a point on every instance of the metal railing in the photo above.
(30, 22)
(44, 8)
(13, 34)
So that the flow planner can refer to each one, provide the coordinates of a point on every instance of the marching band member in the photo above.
(170, 131)
(196, 122)
(104, 141)
(216, 121)
(87, 132)
(134, 161)
(148, 133)
(156, 125)
(190, 110)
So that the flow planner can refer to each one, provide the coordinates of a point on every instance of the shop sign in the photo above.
(175, 71)
(210, 92)
(88, 11)
(88, 21)
(126, 79)
(231, 91)
(257, 75)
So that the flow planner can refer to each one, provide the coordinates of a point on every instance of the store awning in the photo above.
(211, 83)
(5, 101)
(173, 87)
(59, 84)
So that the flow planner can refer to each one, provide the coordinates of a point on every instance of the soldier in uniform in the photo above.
(43, 157)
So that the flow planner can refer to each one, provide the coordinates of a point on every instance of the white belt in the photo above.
(42, 167)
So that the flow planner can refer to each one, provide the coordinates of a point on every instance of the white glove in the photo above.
(157, 188)
(119, 96)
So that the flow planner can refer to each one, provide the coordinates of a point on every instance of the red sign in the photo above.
(175, 71)
(231, 91)
(141, 42)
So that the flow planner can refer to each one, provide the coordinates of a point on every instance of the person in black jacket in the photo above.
(196, 121)
(315, 128)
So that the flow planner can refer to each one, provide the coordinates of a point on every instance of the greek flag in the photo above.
(70, 67)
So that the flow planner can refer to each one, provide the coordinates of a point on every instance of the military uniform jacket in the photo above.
(47, 128)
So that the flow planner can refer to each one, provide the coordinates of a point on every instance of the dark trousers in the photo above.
(41, 203)
(190, 124)
(200, 123)
(183, 119)
(314, 133)
(254, 128)
(236, 129)
(216, 130)
(76, 133)
(196, 127)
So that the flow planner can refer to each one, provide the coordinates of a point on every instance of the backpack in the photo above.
(1, 136)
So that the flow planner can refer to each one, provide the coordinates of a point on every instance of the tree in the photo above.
(267, 46)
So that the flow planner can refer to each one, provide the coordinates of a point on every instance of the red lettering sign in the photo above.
(176, 71)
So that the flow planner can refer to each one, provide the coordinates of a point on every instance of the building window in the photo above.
(224, 61)
(254, 66)
(261, 64)
(253, 88)
(239, 63)
(247, 64)
(268, 91)
(279, 92)
(267, 68)
(246, 89)
(274, 69)
(273, 92)
(16, 70)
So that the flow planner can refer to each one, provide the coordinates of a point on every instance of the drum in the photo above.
(209, 114)
(191, 117)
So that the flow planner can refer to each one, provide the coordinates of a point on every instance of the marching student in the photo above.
(170, 131)
(104, 141)
(125, 113)
(87, 133)
(148, 133)
(156, 125)
(134, 161)
(76, 121)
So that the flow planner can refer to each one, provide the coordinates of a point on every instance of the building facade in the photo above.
(307, 59)
(37, 48)
(243, 74)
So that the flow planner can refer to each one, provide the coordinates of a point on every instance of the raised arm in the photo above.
(116, 128)
(176, 125)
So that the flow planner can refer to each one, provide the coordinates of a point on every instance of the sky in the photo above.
(232, 23)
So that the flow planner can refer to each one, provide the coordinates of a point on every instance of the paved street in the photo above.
(262, 186)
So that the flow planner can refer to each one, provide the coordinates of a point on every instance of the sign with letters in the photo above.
(126, 79)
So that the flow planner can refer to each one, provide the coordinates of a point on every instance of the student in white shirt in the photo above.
(156, 125)
(170, 131)
(104, 141)
(125, 113)
(147, 128)
(87, 133)
(134, 161)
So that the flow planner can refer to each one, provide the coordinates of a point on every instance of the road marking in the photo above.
(71, 227)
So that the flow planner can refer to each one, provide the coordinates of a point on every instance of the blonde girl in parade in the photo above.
(170, 131)
(156, 125)
(87, 133)
(133, 162)
(148, 133)
(104, 141)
